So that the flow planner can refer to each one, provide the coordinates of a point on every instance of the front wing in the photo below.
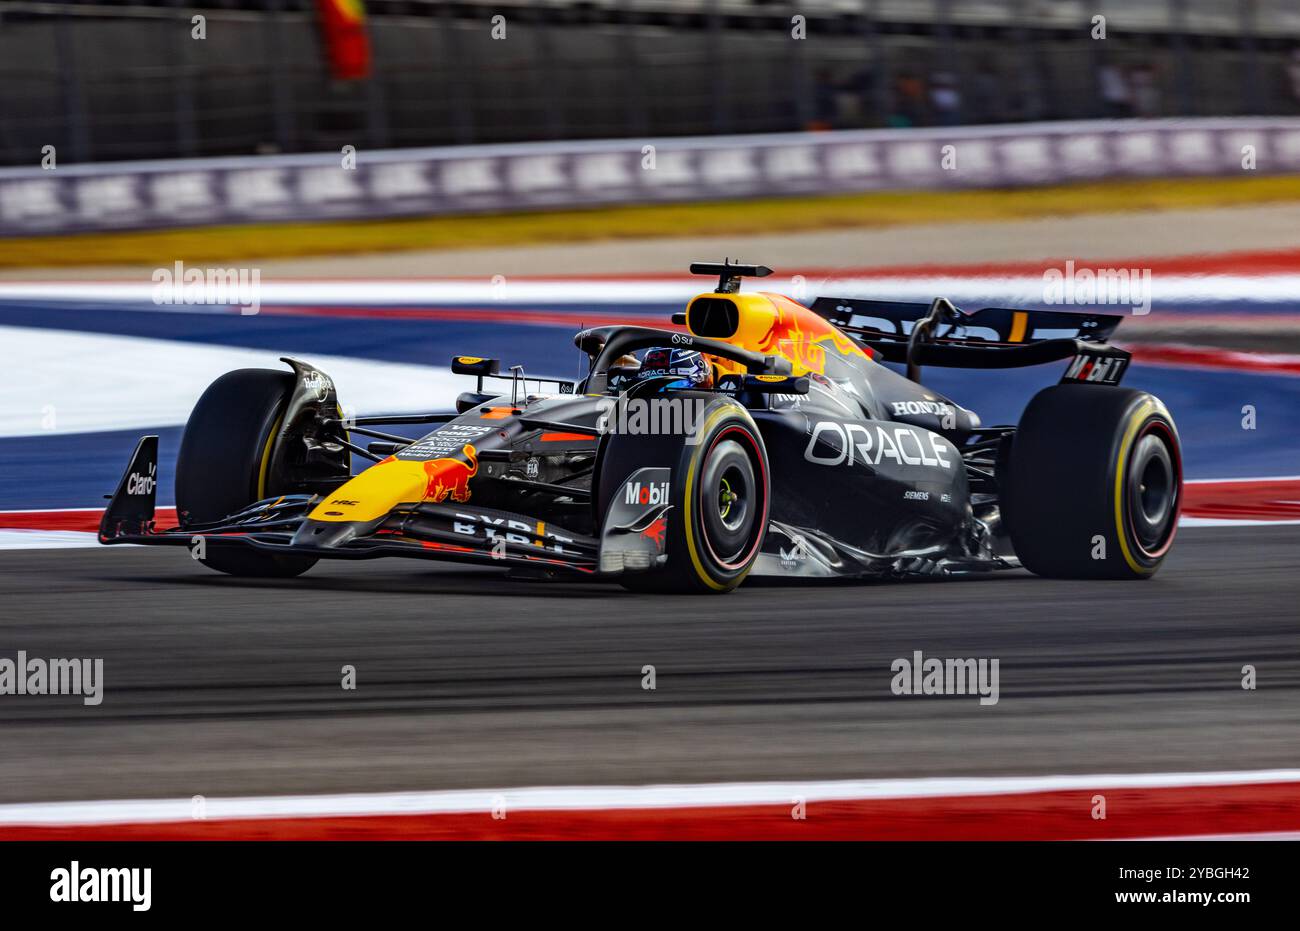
(421, 530)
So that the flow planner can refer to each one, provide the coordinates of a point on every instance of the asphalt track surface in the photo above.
(466, 679)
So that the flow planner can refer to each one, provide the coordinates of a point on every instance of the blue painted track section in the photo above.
(77, 470)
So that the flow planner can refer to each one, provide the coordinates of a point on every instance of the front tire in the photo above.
(721, 489)
(1093, 483)
(224, 464)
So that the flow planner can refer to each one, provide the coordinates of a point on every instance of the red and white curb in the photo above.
(1207, 503)
(59, 528)
(1241, 501)
(1209, 358)
(1216, 804)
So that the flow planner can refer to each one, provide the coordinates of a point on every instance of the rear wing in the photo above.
(993, 337)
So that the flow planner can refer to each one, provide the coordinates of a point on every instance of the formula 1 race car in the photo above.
(755, 436)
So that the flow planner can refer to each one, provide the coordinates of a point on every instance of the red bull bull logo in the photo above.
(796, 334)
(450, 477)
(785, 338)
(655, 532)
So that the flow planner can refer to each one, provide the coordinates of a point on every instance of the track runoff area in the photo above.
(92, 365)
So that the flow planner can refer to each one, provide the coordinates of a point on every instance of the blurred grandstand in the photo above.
(108, 80)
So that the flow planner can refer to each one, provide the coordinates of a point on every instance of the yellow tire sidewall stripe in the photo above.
(688, 506)
(266, 458)
(1140, 413)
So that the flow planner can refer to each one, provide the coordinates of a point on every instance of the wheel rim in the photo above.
(1153, 491)
(734, 496)
(728, 499)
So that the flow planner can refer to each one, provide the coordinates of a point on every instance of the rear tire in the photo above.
(1093, 483)
(224, 464)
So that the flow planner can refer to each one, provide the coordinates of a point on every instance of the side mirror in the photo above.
(474, 365)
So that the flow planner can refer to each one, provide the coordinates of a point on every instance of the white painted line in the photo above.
(1246, 835)
(75, 382)
(1021, 289)
(1266, 478)
(46, 539)
(56, 511)
(587, 798)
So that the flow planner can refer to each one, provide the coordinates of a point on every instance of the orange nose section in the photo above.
(376, 491)
(450, 477)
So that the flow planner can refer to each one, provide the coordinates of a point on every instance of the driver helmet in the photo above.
(687, 367)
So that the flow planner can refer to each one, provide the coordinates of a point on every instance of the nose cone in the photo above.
(324, 534)
(372, 494)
